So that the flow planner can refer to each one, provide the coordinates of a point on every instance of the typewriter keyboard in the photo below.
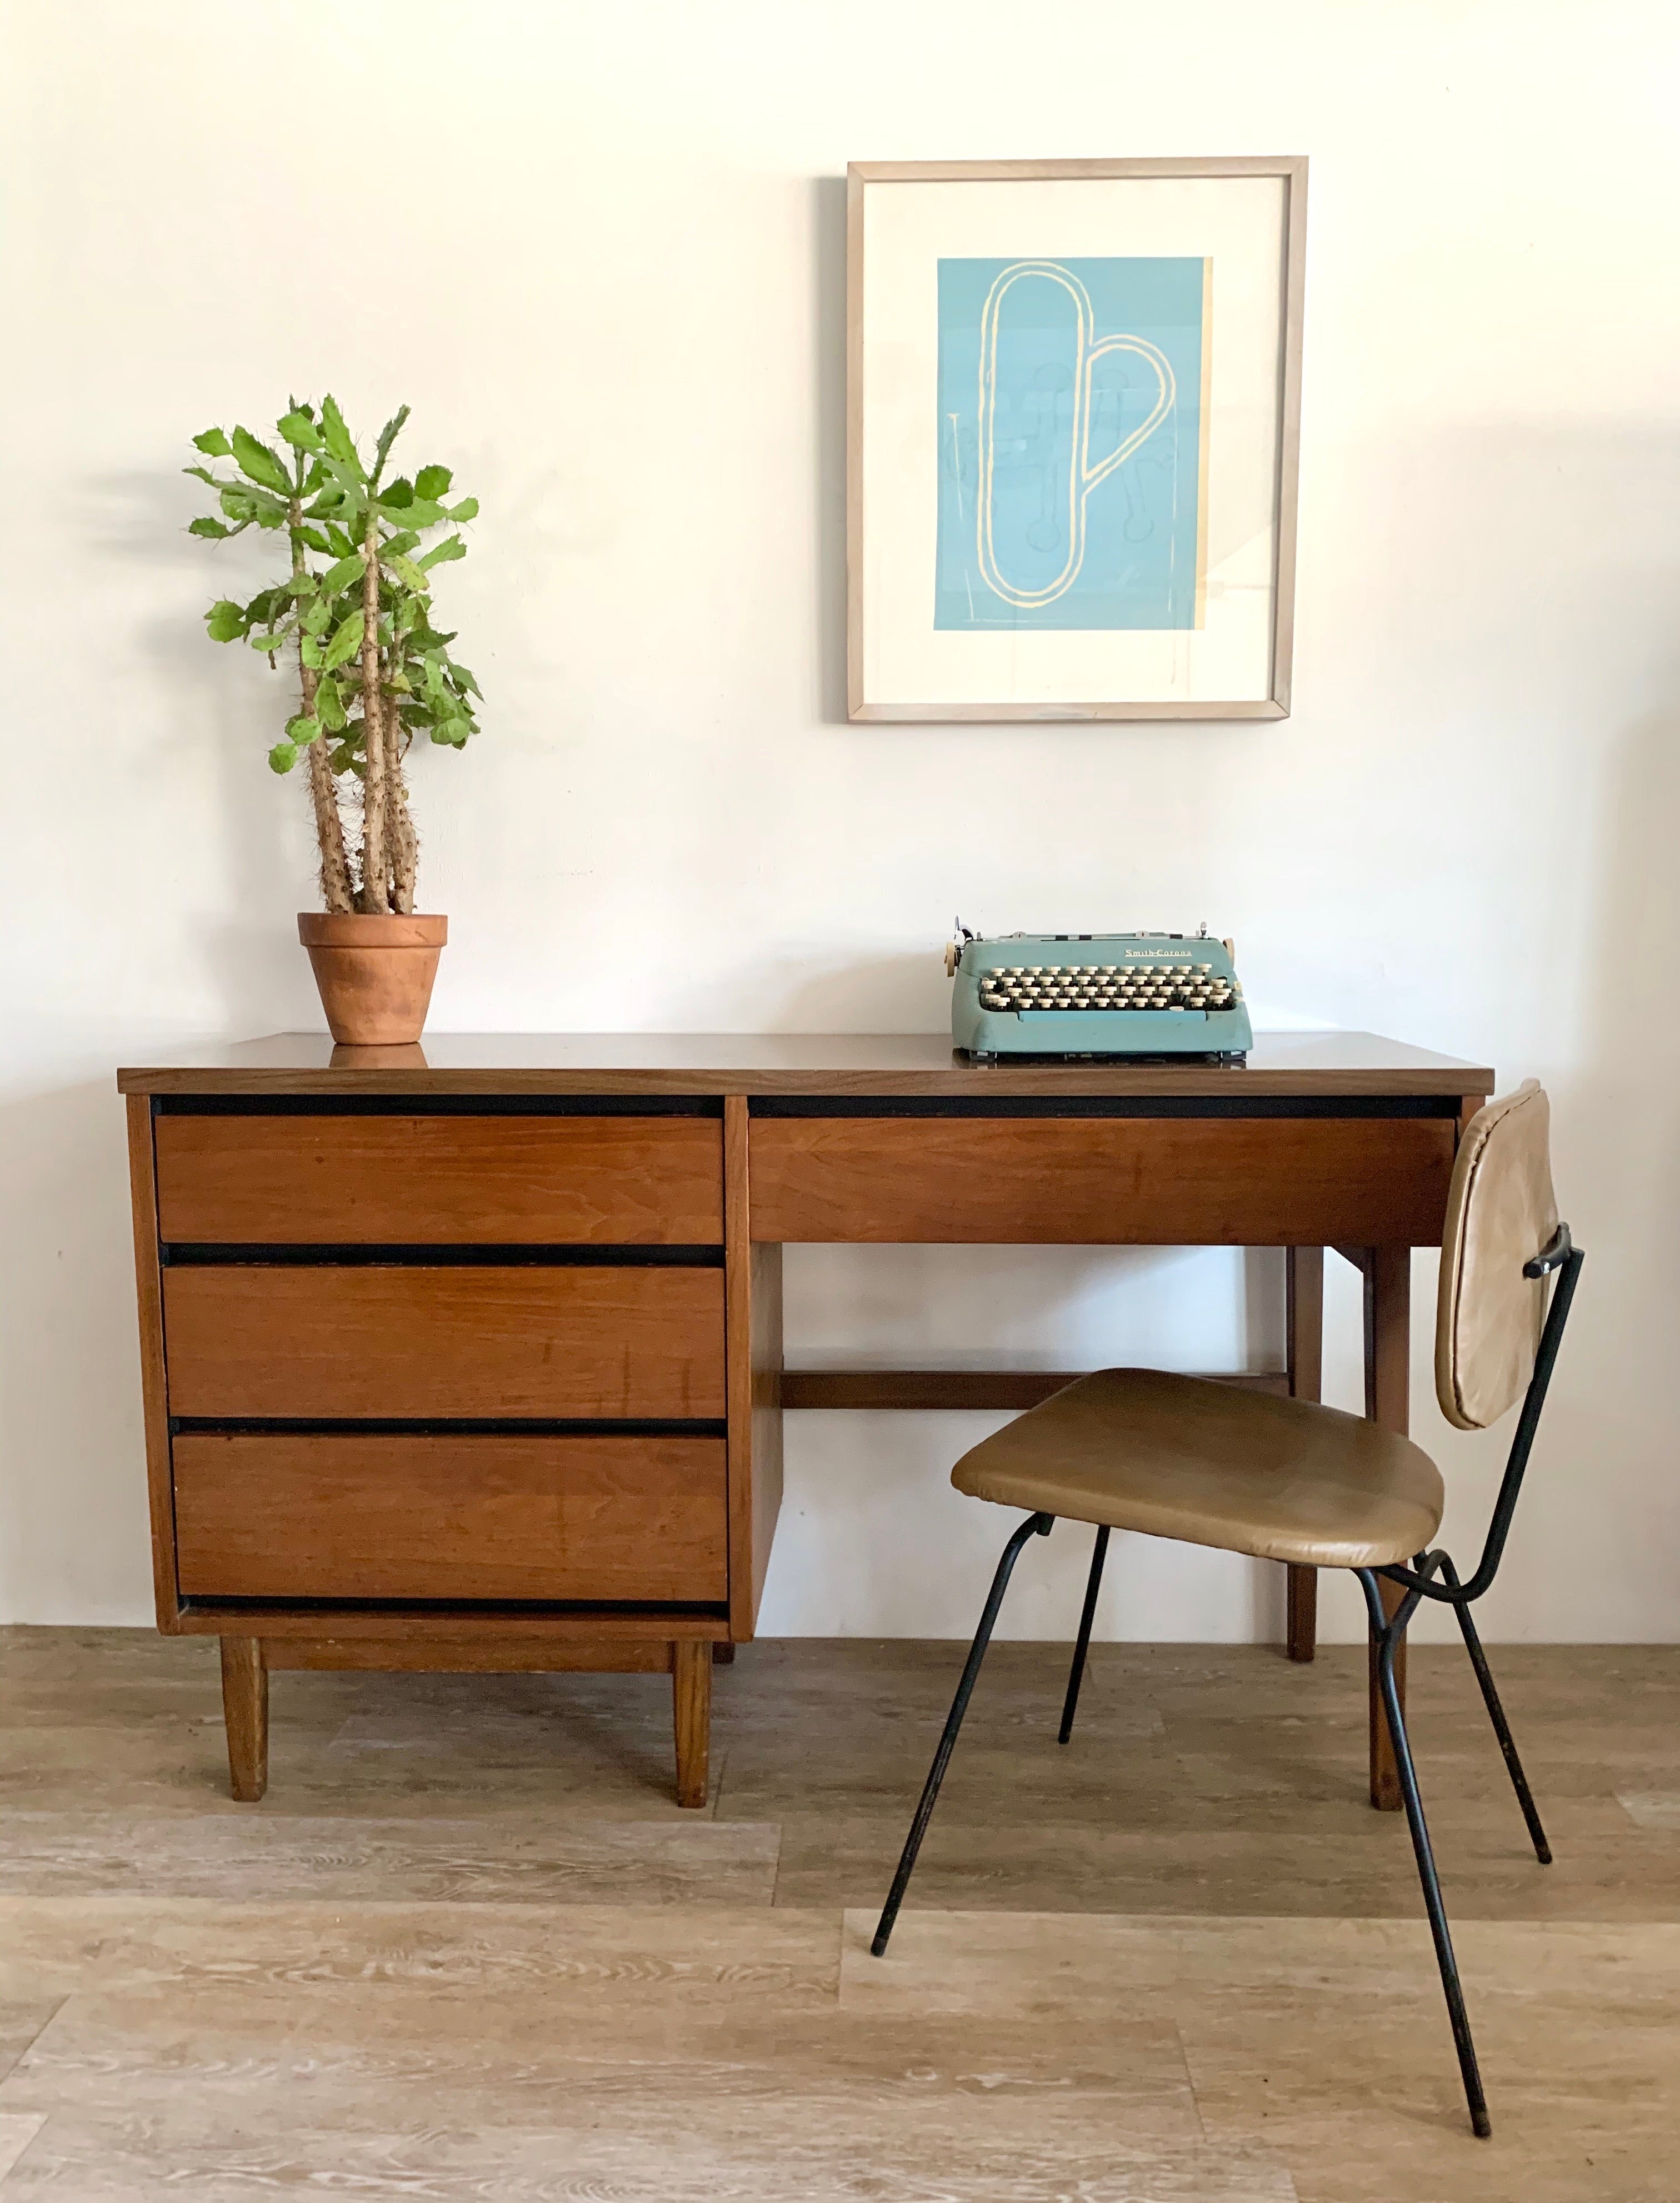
(1186, 986)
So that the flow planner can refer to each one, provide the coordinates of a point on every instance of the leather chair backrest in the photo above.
(1501, 1212)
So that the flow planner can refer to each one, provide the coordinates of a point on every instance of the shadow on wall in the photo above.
(73, 1488)
(828, 262)
(874, 1542)
(1592, 1553)
(1617, 1135)
(203, 795)
(1631, 1036)
(1214, 1309)
(906, 993)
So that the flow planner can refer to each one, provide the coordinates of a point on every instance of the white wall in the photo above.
(600, 250)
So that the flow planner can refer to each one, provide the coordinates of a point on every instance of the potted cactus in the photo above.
(352, 616)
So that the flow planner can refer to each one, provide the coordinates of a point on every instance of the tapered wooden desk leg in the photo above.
(1305, 1336)
(244, 1709)
(690, 1701)
(1387, 1274)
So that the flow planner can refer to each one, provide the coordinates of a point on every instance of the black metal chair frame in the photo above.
(1559, 1256)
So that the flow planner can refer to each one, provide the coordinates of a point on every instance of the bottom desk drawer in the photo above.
(370, 1516)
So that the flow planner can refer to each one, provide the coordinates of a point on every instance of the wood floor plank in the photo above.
(1584, 2111)
(20, 2021)
(396, 2089)
(17, 2130)
(982, 1962)
(346, 2042)
(989, 2156)
(276, 1858)
(651, 1955)
(796, 2101)
(1341, 1860)
(1651, 1809)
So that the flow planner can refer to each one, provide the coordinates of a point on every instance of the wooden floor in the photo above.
(467, 1947)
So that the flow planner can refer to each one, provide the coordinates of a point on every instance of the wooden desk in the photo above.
(469, 1355)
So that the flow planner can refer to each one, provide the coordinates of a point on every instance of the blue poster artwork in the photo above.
(1071, 433)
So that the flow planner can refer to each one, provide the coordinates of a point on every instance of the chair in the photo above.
(1189, 1458)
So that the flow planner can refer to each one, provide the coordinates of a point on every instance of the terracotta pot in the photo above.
(374, 974)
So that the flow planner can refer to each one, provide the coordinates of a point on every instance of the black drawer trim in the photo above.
(460, 1427)
(438, 1105)
(466, 1609)
(1105, 1105)
(179, 1254)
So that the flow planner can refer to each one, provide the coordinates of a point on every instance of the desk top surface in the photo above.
(1283, 1063)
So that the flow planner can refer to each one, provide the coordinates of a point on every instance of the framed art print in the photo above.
(1073, 407)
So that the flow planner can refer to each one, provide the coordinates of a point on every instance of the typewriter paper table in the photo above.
(469, 1355)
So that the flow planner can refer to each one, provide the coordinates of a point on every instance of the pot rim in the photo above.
(331, 929)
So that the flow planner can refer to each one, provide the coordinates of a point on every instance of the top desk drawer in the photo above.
(440, 1180)
(1114, 1181)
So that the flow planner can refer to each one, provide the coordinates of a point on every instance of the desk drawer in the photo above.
(387, 1341)
(417, 1180)
(352, 1516)
(1162, 1181)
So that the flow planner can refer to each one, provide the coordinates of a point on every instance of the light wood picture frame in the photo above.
(1073, 435)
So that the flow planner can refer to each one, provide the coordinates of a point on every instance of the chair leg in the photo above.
(1035, 1526)
(1433, 1903)
(1484, 1677)
(1076, 1673)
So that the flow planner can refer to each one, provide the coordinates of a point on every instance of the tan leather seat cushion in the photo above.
(1501, 1212)
(1214, 1465)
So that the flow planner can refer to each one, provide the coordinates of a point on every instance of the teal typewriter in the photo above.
(1096, 997)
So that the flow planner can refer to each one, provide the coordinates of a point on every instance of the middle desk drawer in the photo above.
(390, 1341)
